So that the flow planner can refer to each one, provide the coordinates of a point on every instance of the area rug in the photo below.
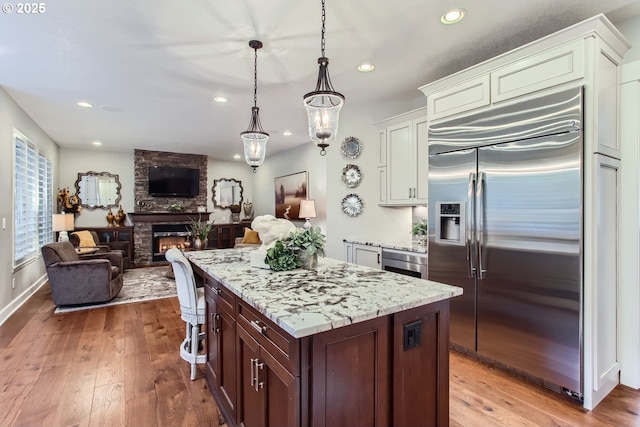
(139, 284)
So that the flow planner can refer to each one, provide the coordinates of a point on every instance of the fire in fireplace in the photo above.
(167, 236)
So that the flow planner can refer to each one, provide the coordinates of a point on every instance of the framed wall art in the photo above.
(289, 191)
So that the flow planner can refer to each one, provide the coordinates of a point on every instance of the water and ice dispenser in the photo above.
(450, 224)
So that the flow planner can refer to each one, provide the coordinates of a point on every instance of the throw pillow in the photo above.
(85, 237)
(250, 236)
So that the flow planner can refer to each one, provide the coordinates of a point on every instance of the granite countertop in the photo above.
(306, 302)
(408, 245)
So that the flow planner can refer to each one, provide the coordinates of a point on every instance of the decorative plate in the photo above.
(351, 176)
(351, 148)
(352, 205)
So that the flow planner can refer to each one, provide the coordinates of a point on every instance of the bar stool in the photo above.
(192, 308)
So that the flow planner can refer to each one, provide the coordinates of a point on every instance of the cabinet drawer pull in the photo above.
(217, 291)
(255, 324)
(259, 384)
(253, 377)
(215, 329)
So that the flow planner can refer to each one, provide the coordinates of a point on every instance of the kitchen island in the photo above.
(341, 345)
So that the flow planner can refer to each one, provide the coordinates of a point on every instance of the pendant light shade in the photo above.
(255, 138)
(323, 105)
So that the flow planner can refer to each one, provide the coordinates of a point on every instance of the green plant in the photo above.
(420, 228)
(296, 249)
(307, 242)
(176, 207)
(282, 257)
(200, 229)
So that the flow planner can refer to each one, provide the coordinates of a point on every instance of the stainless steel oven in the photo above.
(405, 262)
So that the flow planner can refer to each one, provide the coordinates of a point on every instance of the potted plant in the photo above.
(421, 231)
(300, 248)
(282, 257)
(200, 230)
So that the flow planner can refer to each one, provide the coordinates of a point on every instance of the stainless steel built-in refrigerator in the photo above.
(505, 216)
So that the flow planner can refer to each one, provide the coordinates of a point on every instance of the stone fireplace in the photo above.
(150, 211)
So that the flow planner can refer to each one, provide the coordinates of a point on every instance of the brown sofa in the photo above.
(95, 278)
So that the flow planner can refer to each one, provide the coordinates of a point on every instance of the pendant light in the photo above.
(255, 138)
(323, 105)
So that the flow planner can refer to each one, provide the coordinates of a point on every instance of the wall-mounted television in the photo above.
(170, 181)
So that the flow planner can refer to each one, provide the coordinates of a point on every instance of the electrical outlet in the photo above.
(412, 335)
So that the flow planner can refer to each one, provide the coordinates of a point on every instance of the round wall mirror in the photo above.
(226, 192)
(98, 190)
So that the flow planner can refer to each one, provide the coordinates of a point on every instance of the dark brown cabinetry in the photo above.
(221, 345)
(116, 237)
(223, 236)
(391, 370)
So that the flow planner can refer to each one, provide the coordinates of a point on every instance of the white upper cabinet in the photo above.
(403, 154)
(547, 69)
(588, 53)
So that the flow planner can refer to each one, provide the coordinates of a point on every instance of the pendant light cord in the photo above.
(324, 18)
(255, 77)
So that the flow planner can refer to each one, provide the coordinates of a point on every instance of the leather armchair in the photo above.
(121, 246)
(95, 278)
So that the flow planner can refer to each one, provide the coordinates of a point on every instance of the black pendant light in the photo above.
(255, 138)
(323, 105)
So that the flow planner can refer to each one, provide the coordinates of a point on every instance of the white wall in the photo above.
(631, 30)
(29, 277)
(75, 161)
(325, 180)
(304, 158)
(239, 171)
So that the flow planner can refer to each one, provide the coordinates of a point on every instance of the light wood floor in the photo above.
(119, 366)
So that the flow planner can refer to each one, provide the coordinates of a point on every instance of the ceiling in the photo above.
(152, 68)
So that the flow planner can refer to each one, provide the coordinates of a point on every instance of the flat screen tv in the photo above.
(169, 181)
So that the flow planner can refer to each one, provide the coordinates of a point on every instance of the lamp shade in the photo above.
(63, 222)
(307, 209)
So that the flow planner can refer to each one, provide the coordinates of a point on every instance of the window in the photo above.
(33, 192)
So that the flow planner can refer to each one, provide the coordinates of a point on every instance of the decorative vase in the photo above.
(310, 262)
(110, 218)
(120, 216)
(187, 245)
(248, 210)
(422, 239)
(197, 244)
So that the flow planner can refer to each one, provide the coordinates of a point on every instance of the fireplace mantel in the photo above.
(156, 217)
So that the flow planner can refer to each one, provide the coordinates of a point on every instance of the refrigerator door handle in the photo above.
(471, 190)
(482, 272)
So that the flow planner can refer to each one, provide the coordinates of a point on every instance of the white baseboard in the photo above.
(14, 305)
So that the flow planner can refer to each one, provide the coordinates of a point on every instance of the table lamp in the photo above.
(307, 210)
(63, 223)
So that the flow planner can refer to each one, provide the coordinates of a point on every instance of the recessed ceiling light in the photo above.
(220, 99)
(366, 67)
(287, 133)
(237, 156)
(97, 143)
(452, 16)
(84, 104)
